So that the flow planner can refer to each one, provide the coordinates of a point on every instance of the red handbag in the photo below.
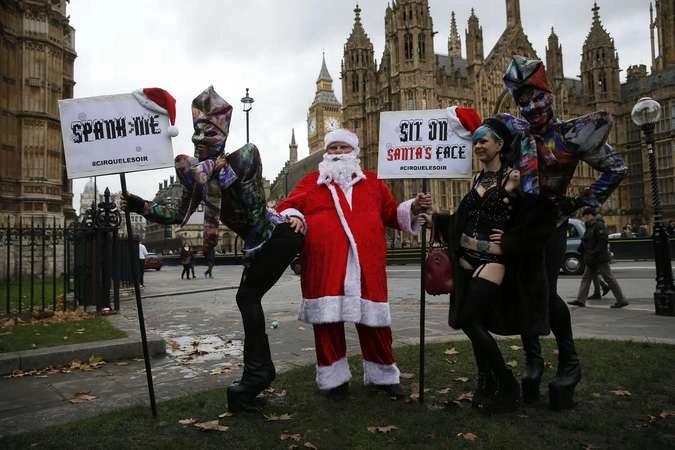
(438, 268)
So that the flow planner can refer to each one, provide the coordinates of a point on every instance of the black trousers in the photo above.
(554, 253)
(263, 272)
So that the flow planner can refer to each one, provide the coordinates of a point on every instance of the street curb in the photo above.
(112, 350)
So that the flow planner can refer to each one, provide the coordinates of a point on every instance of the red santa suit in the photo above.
(344, 271)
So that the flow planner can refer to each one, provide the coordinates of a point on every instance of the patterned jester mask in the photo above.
(211, 116)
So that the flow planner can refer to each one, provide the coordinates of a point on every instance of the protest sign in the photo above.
(421, 144)
(113, 134)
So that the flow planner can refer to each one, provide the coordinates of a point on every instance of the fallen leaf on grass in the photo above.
(211, 425)
(648, 419)
(512, 363)
(407, 375)
(462, 379)
(467, 436)
(122, 363)
(186, 421)
(301, 328)
(273, 418)
(81, 397)
(515, 347)
(465, 397)
(444, 391)
(451, 351)
(310, 445)
(225, 414)
(414, 393)
(383, 429)
(292, 436)
(665, 414)
(548, 364)
(621, 393)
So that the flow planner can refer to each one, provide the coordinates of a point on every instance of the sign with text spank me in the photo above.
(421, 144)
(113, 134)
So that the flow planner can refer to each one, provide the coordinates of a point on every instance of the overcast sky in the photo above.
(274, 48)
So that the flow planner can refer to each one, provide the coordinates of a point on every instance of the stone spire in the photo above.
(554, 60)
(513, 14)
(454, 42)
(474, 41)
(293, 148)
(599, 64)
(324, 75)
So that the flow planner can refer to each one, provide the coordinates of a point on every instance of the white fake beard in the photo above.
(340, 168)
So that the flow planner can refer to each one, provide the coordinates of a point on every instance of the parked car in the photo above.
(153, 261)
(573, 263)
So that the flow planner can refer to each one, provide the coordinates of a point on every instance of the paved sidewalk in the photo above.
(201, 315)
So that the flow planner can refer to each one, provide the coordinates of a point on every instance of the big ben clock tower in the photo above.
(324, 114)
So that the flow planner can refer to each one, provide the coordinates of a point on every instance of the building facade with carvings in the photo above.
(412, 75)
(37, 54)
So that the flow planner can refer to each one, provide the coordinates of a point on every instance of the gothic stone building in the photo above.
(411, 75)
(37, 53)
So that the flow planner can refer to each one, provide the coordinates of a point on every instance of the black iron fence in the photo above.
(50, 267)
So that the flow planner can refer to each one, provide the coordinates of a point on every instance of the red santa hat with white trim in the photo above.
(160, 101)
(463, 121)
(342, 135)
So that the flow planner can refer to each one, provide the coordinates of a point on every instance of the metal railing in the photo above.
(46, 267)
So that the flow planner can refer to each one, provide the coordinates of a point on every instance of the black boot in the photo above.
(486, 387)
(258, 374)
(534, 368)
(568, 375)
(507, 396)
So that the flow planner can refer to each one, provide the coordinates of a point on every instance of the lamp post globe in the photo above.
(247, 101)
(645, 114)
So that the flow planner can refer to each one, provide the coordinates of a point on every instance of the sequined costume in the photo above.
(233, 195)
(547, 151)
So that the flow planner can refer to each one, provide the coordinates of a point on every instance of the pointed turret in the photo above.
(599, 64)
(474, 44)
(292, 148)
(513, 13)
(454, 41)
(554, 59)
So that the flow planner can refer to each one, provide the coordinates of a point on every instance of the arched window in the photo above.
(421, 46)
(410, 104)
(408, 45)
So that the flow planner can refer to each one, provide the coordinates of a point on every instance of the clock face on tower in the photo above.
(331, 123)
(311, 126)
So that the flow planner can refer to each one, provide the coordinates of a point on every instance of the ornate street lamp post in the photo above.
(645, 114)
(248, 104)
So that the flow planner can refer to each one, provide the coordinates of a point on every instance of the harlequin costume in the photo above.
(344, 261)
(547, 151)
(233, 195)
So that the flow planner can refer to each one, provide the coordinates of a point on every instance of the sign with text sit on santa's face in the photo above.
(113, 134)
(423, 144)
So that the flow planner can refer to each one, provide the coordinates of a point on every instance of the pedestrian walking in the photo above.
(142, 254)
(596, 258)
(210, 256)
(185, 260)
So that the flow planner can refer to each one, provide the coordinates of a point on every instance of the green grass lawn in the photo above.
(49, 334)
(51, 290)
(638, 419)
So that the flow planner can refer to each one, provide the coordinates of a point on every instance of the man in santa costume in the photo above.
(343, 211)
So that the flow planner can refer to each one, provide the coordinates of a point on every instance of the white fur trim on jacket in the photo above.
(406, 220)
(374, 373)
(328, 377)
(352, 284)
(339, 308)
(292, 212)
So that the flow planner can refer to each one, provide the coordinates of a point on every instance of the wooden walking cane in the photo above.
(423, 253)
(139, 304)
